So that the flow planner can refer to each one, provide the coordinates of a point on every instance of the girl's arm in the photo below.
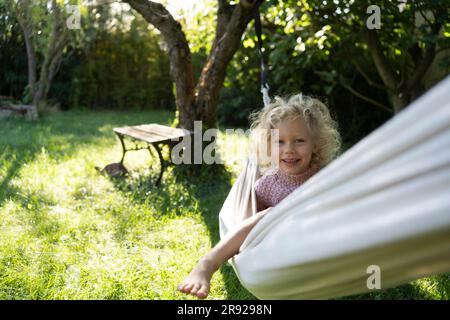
(229, 246)
(198, 281)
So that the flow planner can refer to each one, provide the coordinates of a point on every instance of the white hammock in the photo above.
(384, 202)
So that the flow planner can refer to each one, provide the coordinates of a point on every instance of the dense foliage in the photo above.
(117, 61)
(114, 61)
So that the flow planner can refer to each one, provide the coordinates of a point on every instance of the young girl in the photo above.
(307, 139)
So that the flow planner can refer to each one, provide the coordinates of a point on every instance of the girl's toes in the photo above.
(195, 289)
(202, 293)
(180, 287)
(188, 287)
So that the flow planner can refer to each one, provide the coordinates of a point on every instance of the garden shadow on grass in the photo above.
(182, 188)
(59, 136)
(13, 160)
(25, 140)
(21, 144)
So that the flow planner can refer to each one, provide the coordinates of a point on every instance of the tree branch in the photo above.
(442, 49)
(421, 68)
(366, 76)
(199, 102)
(229, 41)
(59, 33)
(424, 16)
(27, 30)
(403, 74)
(425, 62)
(226, 43)
(382, 64)
(363, 97)
(181, 70)
(223, 4)
(224, 13)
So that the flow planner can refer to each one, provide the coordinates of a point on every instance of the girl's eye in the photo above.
(280, 141)
(299, 140)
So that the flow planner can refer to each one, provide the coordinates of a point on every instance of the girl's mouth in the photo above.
(290, 161)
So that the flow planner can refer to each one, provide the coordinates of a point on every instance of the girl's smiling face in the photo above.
(295, 146)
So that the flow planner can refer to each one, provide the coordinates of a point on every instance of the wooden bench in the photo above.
(154, 135)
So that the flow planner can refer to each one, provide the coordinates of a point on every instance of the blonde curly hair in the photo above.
(324, 129)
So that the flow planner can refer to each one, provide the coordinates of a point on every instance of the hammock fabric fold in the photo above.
(385, 202)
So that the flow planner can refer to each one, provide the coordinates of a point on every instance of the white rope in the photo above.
(265, 93)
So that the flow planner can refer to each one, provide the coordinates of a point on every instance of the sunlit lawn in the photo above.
(68, 232)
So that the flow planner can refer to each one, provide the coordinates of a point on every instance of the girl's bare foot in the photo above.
(197, 282)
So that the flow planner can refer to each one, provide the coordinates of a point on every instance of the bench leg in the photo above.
(161, 161)
(124, 150)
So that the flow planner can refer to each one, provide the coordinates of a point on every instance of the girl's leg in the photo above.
(197, 282)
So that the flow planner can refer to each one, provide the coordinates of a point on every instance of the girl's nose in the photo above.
(289, 147)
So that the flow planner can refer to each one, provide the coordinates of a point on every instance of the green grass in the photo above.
(68, 232)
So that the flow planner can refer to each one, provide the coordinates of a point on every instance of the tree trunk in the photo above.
(31, 54)
(228, 39)
(39, 88)
(181, 70)
(198, 102)
(53, 56)
(403, 87)
(400, 101)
